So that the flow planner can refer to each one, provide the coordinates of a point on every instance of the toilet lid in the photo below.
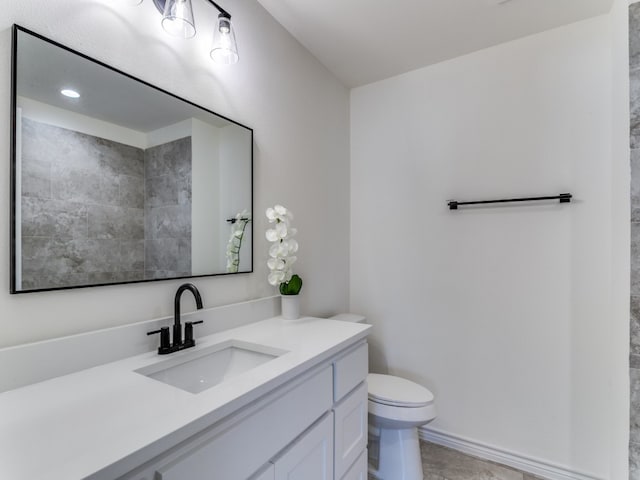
(397, 391)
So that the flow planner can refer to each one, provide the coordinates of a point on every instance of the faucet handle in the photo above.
(165, 342)
(188, 333)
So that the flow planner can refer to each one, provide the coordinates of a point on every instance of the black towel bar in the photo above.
(563, 197)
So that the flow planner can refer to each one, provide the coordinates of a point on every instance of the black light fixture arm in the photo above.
(160, 6)
(181, 23)
(222, 11)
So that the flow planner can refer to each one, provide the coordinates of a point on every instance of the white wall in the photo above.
(300, 116)
(504, 313)
(206, 223)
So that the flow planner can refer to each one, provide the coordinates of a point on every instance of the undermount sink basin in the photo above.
(202, 369)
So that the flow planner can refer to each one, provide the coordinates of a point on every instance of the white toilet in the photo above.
(397, 406)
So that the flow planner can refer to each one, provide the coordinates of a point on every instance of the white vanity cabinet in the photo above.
(350, 417)
(350, 410)
(312, 428)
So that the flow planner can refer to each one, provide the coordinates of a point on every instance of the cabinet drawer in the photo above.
(351, 429)
(242, 448)
(349, 370)
(358, 470)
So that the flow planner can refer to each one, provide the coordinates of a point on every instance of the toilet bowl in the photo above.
(397, 407)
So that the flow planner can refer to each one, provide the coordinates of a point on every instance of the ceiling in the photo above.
(362, 41)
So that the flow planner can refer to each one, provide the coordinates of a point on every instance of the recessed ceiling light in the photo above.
(68, 92)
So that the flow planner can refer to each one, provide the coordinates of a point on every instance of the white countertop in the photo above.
(109, 419)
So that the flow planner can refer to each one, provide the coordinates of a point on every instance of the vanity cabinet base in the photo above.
(297, 432)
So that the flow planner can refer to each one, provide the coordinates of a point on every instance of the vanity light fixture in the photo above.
(68, 92)
(177, 20)
(224, 49)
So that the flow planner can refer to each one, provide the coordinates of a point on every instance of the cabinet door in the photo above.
(358, 470)
(311, 456)
(245, 444)
(351, 429)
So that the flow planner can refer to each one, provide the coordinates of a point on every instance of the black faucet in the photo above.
(177, 327)
(178, 343)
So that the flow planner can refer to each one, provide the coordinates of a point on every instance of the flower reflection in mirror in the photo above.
(238, 226)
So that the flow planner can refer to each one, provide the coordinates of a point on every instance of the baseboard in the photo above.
(486, 452)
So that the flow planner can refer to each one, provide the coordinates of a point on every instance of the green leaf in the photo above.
(292, 287)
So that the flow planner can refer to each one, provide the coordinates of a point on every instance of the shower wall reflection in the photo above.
(82, 208)
(167, 210)
(98, 211)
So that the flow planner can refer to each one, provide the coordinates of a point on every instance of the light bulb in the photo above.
(224, 49)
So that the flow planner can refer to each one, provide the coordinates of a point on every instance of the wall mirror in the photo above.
(117, 181)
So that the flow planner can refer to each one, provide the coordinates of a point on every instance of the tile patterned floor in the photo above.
(442, 463)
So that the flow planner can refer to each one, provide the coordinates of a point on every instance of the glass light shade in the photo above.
(224, 49)
(177, 19)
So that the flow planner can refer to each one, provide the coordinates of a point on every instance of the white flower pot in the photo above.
(290, 307)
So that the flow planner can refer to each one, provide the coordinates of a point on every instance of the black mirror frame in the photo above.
(12, 152)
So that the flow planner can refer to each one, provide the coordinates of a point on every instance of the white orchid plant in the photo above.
(238, 226)
(282, 252)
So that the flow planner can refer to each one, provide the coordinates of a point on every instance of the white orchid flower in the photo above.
(276, 263)
(278, 214)
(277, 251)
(271, 215)
(282, 230)
(272, 235)
(235, 240)
(281, 258)
(282, 213)
(276, 277)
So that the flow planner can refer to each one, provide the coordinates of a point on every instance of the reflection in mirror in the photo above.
(116, 181)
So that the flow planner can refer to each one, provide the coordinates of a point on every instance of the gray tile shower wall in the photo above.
(82, 207)
(167, 203)
(634, 72)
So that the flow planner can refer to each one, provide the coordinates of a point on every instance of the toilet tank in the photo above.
(349, 317)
